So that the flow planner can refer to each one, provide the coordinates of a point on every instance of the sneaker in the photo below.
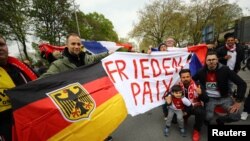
(166, 131)
(183, 132)
(196, 135)
(244, 115)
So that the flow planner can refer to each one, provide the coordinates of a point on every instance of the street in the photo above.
(149, 126)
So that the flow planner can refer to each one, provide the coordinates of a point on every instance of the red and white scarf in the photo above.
(192, 94)
(22, 67)
(231, 48)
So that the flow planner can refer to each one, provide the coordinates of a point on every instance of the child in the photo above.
(176, 102)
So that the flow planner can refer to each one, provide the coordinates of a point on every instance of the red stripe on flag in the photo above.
(40, 120)
(103, 90)
(200, 51)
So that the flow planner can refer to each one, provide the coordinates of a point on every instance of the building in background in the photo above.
(242, 29)
(208, 34)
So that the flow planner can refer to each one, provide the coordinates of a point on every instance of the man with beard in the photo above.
(197, 97)
(214, 77)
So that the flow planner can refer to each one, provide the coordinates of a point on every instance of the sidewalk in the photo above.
(149, 126)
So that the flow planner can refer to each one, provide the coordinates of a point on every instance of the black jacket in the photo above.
(222, 52)
(223, 74)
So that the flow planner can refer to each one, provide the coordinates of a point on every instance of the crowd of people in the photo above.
(14, 72)
(216, 81)
(196, 95)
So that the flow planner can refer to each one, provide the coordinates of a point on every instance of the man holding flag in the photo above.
(73, 57)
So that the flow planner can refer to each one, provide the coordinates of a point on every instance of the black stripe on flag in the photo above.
(36, 90)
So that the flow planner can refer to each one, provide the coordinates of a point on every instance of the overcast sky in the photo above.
(123, 13)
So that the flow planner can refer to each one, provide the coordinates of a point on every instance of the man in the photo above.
(12, 73)
(231, 54)
(170, 42)
(73, 57)
(197, 97)
(162, 47)
(215, 78)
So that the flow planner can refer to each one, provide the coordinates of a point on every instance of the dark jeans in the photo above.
(199, 113)
(247, 104)
(6, 125)
(165, 109)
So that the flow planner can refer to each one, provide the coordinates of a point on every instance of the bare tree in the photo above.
(157, 19)
(219, 13)
(184, 21)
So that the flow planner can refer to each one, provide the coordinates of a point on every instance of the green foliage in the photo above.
(102, 28)
(93, 26)
(14, 23)
(50, 19)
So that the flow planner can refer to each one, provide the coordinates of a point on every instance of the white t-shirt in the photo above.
(231, 62)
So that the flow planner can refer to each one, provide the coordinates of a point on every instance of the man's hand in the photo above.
(227, 57)
(168, 99)
(235, 107)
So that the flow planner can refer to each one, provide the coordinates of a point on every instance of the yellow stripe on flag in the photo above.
(103, 121)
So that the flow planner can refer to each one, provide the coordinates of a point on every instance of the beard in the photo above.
(186, 83)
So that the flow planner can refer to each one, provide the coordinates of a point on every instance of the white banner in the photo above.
(144, 79)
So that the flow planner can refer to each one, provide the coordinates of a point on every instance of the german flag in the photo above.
(81, 104)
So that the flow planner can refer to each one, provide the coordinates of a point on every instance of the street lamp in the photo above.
(78, 29)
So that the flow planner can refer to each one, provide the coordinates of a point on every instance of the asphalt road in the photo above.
(149, 126)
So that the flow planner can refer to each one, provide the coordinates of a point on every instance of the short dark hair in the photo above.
(176, 88)
(184, 71)
(71, 34)
(211, 52)
(229, 35)
(159, 46)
